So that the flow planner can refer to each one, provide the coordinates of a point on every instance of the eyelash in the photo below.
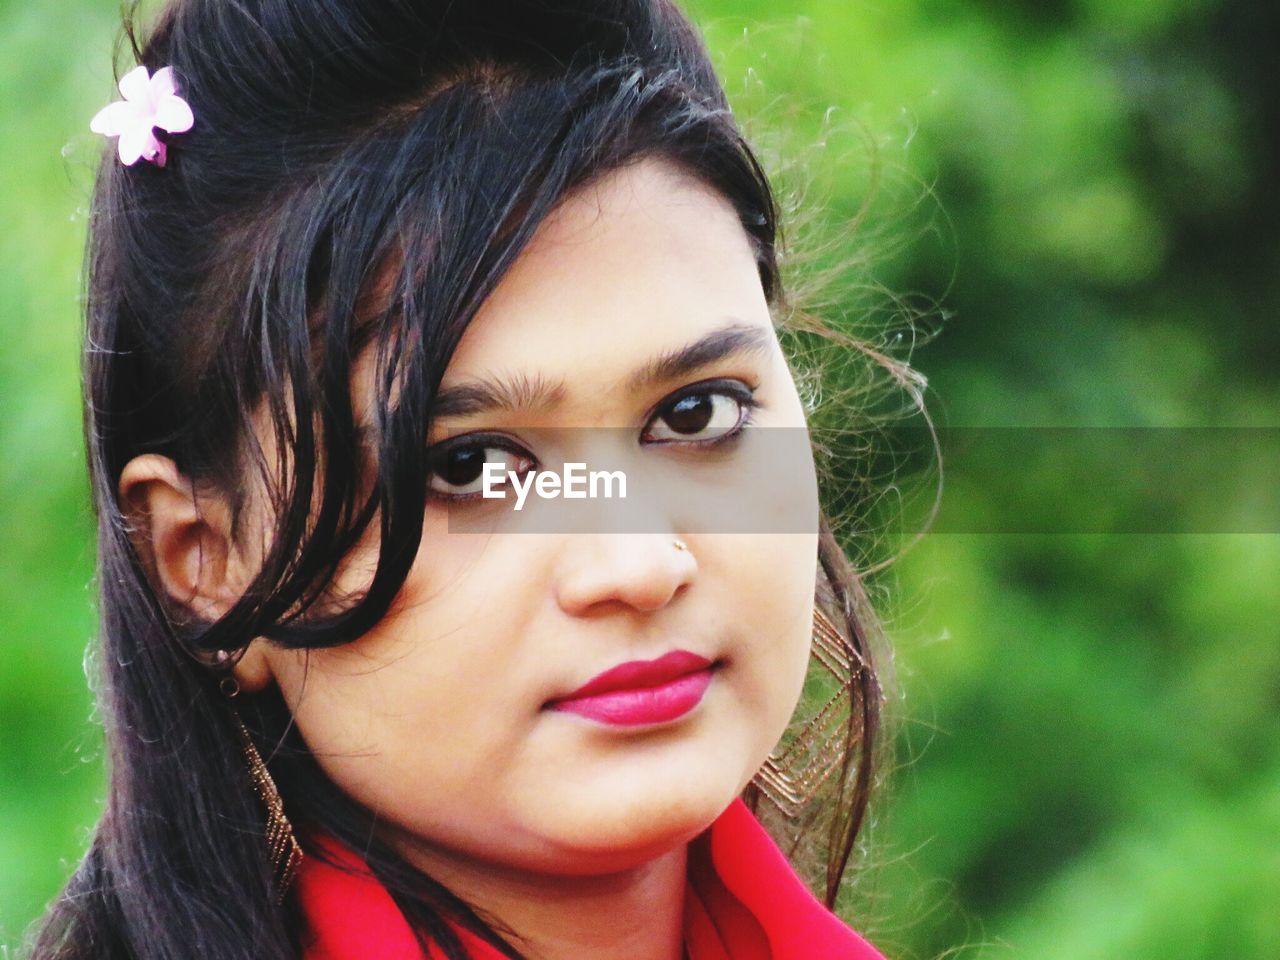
(741, 392)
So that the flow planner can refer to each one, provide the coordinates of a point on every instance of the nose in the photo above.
(641, 571)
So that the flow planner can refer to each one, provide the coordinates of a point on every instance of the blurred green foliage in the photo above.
(1088, 725)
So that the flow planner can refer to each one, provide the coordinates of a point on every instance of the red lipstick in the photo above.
(642, 691)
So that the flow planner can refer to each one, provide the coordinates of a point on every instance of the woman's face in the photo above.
(444, 719)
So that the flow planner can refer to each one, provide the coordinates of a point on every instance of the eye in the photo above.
(457, 467)
(702, 413)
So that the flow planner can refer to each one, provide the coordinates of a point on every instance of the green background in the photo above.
(1089, 758)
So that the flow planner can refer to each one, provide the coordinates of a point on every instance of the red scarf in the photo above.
(743, 902)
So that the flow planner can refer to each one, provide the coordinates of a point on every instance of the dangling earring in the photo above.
(282, 846)
(793, 773)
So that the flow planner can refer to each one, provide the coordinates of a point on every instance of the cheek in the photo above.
(771, 583)
(421, 712)
(380, 719)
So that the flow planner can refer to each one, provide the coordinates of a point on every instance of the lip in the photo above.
(642, 691)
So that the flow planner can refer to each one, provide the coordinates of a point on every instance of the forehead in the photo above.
(644, 260)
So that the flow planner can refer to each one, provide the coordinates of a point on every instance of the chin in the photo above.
(623, 824)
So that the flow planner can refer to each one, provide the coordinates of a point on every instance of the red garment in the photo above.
(744, 902)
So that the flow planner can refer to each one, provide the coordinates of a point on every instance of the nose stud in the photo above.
(680, 545)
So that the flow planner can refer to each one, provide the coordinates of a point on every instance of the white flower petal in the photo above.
(173, 114)
(163, 83)
(135, 143)
(115, 118)
(134, 84)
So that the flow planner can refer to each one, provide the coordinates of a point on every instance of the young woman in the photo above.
(343, 255)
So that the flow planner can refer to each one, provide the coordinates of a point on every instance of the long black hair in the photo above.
(408, 147)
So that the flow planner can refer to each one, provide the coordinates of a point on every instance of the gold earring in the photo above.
(681, 545)
(282, 846)
(806, 758)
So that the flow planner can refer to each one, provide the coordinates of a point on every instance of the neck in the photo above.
(636, 914)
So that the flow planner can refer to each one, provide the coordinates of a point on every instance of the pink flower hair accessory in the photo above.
(150, 101)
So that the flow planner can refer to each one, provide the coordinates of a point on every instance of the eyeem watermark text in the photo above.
(576, 483)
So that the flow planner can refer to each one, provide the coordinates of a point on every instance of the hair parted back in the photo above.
(359, 177)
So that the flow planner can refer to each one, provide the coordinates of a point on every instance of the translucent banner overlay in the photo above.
(1133, 480)
(760, 481)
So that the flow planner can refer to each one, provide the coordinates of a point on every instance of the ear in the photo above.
(184, 541)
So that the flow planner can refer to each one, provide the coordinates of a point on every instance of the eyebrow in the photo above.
(535, 392)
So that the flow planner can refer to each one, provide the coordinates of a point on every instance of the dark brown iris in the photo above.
(462, 465)
(690, 414)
